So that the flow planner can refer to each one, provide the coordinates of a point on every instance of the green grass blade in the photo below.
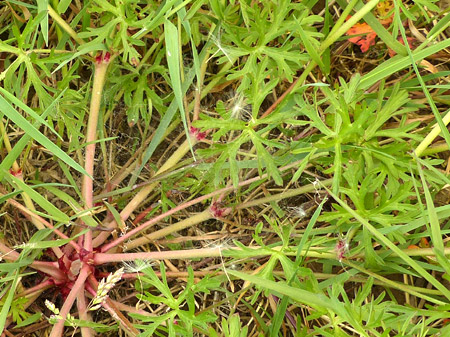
(35, 134)
(30, 111)
(168, 116)
(8, 267)
(393, 284)
(42, 6)
(435, 228)
(51, 209)
(398, 63)
(317, 301)
(443, 24)
(7, 304)
(16, 151)
(173, 62)
(430, 99)
(305, 237)
(116, 216)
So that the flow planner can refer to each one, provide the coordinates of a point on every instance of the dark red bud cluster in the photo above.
(218, 211)
(197, 134)
(103, 57)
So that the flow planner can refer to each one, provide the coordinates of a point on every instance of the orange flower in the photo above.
(363, 41)
(366, 34)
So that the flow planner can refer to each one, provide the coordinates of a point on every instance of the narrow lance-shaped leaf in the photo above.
(35, 134)
(173, 62)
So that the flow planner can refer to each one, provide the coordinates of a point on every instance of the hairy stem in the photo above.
(102, 258)
(101, 66)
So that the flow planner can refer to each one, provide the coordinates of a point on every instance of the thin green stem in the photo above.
(64, 25)
(189, 222)
(283, 195)
(343, 16)
(435, 131)
(336, 34)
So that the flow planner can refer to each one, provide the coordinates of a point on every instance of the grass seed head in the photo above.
(104, 287)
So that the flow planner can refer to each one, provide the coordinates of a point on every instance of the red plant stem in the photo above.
(84, 314)
(78, 287)
(50, 269)
(147, 224)
(8, 253)
(101, 238)
(37, 288)
(89, 287)
(44, 222)
(280, 99)
(101, 65)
